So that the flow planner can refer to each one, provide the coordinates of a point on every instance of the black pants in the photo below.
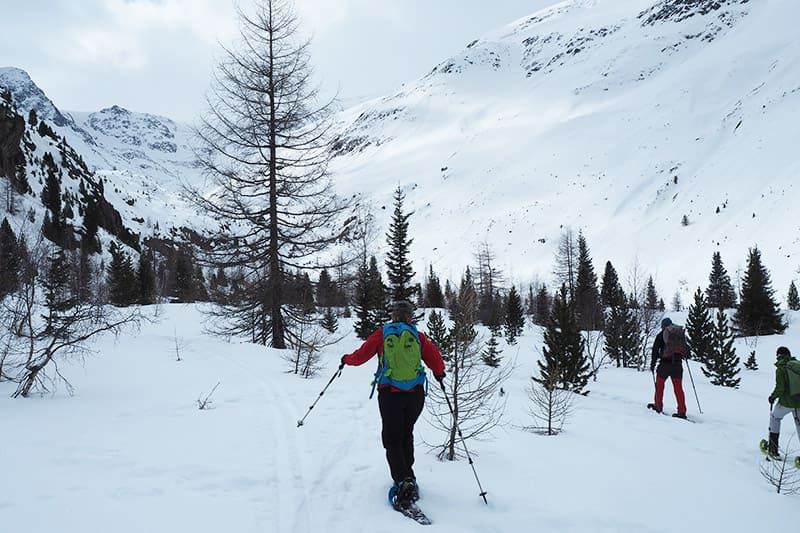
(399, 413)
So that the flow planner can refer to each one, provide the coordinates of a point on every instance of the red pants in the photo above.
(676, 385)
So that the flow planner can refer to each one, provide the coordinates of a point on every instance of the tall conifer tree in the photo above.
(793, 299)
(587, 298)
(611, 292)
(699, 329)
(146, 276)
(398, 265)
(434, 297)
(542, 306)
(651, 296)
(364, 324)
(622, 335)
(564, 359)
(720, 292)
(723, 365)
(10, 260)
(514, 316)
(758, 313)
(122, 284)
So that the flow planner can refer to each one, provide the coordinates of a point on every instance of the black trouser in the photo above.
(399, 413)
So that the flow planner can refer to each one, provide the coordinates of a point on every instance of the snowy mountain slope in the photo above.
(131, 452)
(144, 159)
(613, 117)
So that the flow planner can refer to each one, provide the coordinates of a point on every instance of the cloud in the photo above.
(130, 34)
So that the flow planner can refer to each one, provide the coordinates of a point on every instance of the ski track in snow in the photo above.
(148, 460)
(284, 448)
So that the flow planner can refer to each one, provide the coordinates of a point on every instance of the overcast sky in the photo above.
(157, 55)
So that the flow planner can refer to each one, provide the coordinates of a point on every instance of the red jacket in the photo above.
(374, 345)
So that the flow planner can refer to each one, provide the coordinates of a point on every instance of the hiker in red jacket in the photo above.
(401, 391)
(669, 350)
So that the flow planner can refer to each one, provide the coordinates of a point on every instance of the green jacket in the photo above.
(781, 391)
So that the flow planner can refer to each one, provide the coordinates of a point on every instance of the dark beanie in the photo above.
(783, 350)
(666, 322)
(403, 306)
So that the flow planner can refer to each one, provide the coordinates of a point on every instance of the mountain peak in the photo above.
(27, 96)
(115, 110)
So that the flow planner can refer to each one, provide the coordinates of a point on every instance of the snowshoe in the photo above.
(653, 407)
(679, 415)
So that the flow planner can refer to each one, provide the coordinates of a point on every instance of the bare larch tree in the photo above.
(265, 146)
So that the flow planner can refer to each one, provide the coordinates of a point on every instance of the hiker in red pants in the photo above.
(669, 350)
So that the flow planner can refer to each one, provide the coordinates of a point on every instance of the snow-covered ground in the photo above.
(131, 452)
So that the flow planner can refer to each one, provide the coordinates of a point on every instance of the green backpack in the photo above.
(401, 363)
(793, 374)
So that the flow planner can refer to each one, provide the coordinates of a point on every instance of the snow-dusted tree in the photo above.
(566, 268)
(588, 308)
(720, 293)
(699, 330)
(723, 364)
(564, 362)
(514, 316)
(399, 270)
(792, 298)
(757, 313)
(265, 144)
(472, 387)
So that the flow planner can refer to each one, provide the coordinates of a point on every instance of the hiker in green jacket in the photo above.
(785, 404)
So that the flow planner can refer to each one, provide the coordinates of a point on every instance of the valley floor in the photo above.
(131, 452)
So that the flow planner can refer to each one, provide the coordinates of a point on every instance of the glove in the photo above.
(440, 378)
(771, 399)
(652, 368)
(342, 363)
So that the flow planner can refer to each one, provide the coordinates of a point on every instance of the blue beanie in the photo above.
(666, 322)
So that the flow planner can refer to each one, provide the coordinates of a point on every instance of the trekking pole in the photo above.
(464, 444)
(335, 375)
(693, 387)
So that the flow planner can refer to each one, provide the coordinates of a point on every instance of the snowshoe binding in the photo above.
(772, 456)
